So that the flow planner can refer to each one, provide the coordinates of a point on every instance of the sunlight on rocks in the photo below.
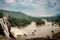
(32, 31)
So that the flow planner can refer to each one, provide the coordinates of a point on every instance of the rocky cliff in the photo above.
(5, 27)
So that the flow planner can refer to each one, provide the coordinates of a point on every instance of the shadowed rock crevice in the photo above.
(1, 30)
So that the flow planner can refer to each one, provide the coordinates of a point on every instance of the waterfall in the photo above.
(5, 28)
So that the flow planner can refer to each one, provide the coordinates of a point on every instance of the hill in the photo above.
(21, 19)
(58, 15)
(13, 13)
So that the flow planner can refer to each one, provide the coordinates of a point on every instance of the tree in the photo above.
(39, 21)
(58, 21)
(1, 15)
(18, 22)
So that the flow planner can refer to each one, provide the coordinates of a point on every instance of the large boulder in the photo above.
(57, 35)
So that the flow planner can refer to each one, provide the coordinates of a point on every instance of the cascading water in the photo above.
(5, 28)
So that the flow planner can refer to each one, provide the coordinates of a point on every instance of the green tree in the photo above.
(39, 21)
(18, 22)
(58, 21)
(1, 15)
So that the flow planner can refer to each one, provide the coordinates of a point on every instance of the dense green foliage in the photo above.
(20, 19)
(18, 22)
(1, 15)
(57, 21)
(39, 21)
(24, 21)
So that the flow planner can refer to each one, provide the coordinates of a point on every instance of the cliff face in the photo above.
(5, 27)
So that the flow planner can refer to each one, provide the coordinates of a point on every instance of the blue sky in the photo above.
(39, 8)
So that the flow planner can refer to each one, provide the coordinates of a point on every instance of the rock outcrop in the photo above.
(5, 28)
(57, 36)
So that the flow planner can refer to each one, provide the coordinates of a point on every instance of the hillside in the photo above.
(21, 19)
(13, 13)
(58, 15)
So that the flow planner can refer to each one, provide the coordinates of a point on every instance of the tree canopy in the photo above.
(1, 15)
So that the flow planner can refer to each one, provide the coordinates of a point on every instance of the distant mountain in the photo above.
(57, 15)
(14, 14)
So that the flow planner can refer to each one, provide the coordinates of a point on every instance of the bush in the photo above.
(39, 21)
(23, 21)
(58, 21)
(1, 15)
(18, 22)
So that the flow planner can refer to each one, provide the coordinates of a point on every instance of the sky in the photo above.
(37, 8)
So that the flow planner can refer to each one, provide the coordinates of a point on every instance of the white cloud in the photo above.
(4, 7)
(39, 12)
(24, 2)
(38, 5)
(56, 5)
(33, 3)
(9, 1)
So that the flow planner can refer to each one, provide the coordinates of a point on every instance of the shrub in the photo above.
(39, 21)
(23, 21)
(18, 22)
(1, 15)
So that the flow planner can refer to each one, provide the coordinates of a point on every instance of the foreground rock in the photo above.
(5, 38)
(5, 28)
(57, 35)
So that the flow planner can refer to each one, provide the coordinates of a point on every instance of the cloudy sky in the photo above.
(32, 7)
